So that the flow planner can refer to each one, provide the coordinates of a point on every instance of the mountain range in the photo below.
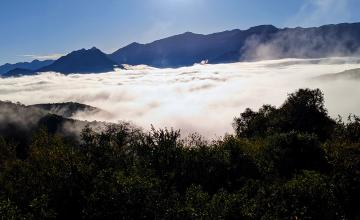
(34, 65)
(256, 43)
(81, 61)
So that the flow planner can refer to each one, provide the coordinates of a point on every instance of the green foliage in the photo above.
(291, 162)
(306, 196)
(8, 211)
(293, 152)
(303, 112)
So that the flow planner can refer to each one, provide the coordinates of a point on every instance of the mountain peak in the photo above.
(228, 46)
(82, 61)
(86, 51)
(94, 48)
(233, 46)
(265, 27)
(134, 44)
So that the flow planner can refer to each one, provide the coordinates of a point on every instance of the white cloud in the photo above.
(201, 98)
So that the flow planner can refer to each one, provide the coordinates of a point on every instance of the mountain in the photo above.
(18, 72)
(34, 65)
(19, 122)
(81, 61)
(186, 49)
(256, 43)
(67, 109)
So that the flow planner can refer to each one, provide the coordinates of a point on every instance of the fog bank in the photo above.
(201, 98)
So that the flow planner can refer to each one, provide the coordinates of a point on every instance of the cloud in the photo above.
(317, 12)
(200, 98)
(296, 43)
(44, 57)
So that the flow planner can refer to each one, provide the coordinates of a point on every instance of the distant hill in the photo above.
(81, 61)
(18, 72)
(67, 109)
(353, 74)
(34, 65)
(19, 122)
(187, 49)
(256, 43)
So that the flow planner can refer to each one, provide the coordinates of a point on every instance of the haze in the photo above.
(201, 98)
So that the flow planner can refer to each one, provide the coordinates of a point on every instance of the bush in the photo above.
(303, 111)
(292, 152)
(291, 162)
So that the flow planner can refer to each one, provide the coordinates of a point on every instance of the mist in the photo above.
(200, 98)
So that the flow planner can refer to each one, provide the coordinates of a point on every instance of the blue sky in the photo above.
(47, 28)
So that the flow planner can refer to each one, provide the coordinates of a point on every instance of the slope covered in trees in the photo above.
(290, 162)
(67, 109)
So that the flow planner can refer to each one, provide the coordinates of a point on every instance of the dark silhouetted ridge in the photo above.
(18, 72)
(66, 109)
(240, 45)
(34, 65)
(256, 43)
(82, 61)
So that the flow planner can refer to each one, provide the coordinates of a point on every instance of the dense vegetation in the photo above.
(66, 109)
(291, 162)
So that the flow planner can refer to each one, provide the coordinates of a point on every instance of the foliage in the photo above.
(291, 162)
(303, 112)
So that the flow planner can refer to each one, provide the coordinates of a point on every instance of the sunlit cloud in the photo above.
(201, 98)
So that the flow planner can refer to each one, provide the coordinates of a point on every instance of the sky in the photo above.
(42, 29)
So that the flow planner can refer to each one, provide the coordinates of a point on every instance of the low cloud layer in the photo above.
(201, 98)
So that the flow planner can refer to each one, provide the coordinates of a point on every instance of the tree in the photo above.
(303, 111)
(293, 152)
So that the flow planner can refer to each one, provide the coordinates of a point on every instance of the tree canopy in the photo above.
(290, 162)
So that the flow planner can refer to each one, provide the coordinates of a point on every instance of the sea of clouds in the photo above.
(200, 98)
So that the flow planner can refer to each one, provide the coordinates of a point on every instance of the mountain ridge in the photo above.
(255, 43)
(82, 61)
(33, 65)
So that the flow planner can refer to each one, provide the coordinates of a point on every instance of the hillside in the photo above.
(19, 122)
(256, 43)
(81, 61)
(17, 72)
(67, 109)
(286, 162)
(34, 65)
